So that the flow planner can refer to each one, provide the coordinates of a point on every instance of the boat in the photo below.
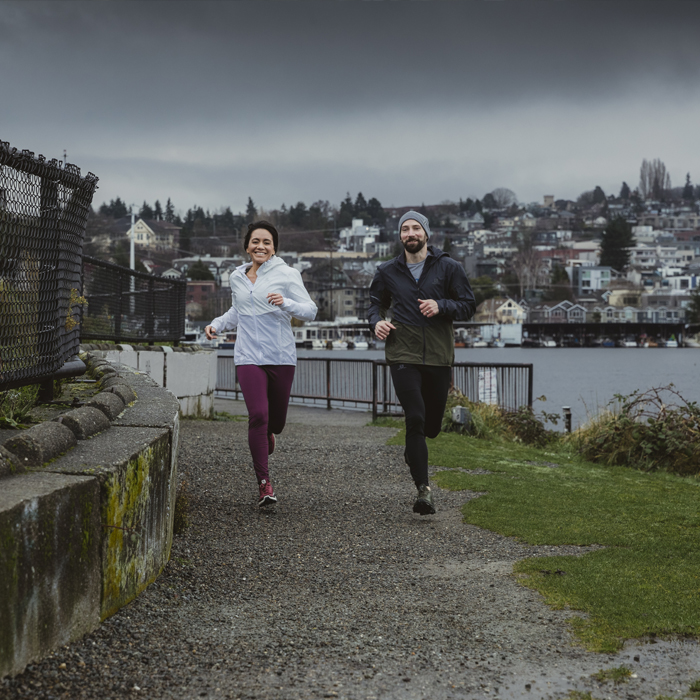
(498, 343)
(196, 336)
(608, 343)
(671, 342)
(328, 335)
(547, 342)
(627, 342)
(692, 341)
(479, 342)
(359, 343)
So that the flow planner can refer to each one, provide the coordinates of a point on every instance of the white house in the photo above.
(359, 238)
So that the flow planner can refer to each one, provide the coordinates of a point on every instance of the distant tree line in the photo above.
(301, 227)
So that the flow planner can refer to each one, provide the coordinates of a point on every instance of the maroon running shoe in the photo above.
(270, 443)
(267, 495)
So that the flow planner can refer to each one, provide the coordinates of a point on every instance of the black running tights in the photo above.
(422, 391)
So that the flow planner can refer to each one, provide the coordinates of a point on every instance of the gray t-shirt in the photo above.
(416, 269)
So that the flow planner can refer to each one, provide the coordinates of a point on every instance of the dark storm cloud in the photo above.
(229, 88)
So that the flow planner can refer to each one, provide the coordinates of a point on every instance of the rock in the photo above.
(40, 443)
(84, 422)
(110, 404)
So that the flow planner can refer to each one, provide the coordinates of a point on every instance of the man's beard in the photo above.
(414, 246)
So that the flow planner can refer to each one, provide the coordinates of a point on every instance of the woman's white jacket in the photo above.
(265, 331)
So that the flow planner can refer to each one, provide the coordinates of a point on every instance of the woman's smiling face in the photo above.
(261, 247)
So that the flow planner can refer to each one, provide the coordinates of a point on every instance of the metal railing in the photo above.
(43, 212)
(350, 383)
(125, 305)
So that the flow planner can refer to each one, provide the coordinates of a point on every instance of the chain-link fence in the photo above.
(130, 306)
(43, 210)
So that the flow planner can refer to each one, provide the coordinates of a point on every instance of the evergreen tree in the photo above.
(169, 211)
(116, 209)
(560, 286)
(625, 191)
(199, 271)
(360, 207)
(615, 244)
(145, 212)
(688, 189)
(346, 213)
(489, 201)
(157, 211)
(299, 215)
(598, 195)
(251, 213)
(692, 312)
(484, 288)
(447, 245)
(376, 212)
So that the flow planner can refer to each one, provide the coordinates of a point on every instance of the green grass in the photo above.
(646, 581)
(387, 422)
(226, 416)
(617, 674)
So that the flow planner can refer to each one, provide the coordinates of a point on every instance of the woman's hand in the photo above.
(275, 299)
(210, 332)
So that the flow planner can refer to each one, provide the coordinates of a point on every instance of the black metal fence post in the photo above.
(150, 309)
(120, 308)
(374, 390)
(385, 386)
(328, 384)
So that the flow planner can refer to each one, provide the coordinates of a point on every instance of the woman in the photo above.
(266, 293)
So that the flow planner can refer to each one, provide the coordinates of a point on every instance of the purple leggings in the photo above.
(266, 391)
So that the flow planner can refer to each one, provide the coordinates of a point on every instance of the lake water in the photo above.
(585, 379)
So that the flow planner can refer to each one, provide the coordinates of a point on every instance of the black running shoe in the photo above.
(424, 501)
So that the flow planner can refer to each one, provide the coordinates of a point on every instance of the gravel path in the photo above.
(340, 591)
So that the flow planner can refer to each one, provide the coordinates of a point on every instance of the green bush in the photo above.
(490, 422)
(656, 429)
(16, 405)
(486, 419)
(524, 425)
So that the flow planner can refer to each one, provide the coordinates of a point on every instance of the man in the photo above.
(426, 290)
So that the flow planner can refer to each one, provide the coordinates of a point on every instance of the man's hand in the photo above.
(210, 332)
(383, 328)
(428, 307)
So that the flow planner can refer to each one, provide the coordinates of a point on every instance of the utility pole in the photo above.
(132, 263)
(132, 251)
(330, 284)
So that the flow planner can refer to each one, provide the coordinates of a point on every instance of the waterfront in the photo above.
(585, 379)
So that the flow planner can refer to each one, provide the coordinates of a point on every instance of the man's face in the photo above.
(413, 236)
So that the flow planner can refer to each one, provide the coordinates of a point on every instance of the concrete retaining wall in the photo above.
(86, 513)
(190, 375)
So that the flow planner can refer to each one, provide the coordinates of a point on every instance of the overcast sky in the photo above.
(410, 102)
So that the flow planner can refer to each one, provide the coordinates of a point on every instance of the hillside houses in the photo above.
(542, 257)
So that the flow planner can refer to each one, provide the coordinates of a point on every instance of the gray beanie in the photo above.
(416, 216)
